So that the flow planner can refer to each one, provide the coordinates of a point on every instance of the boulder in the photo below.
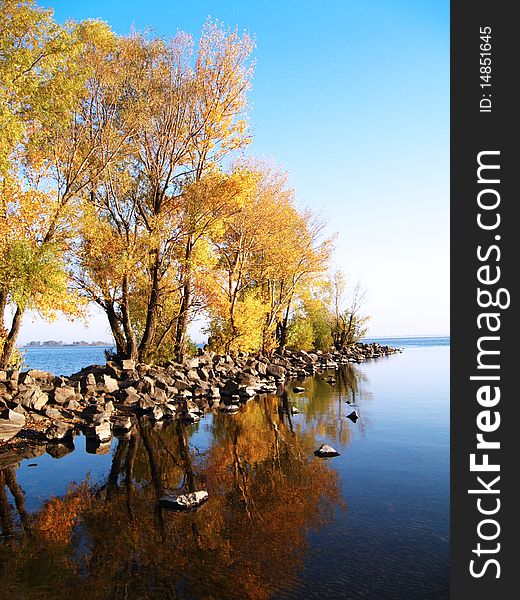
(184, 502)
(109, 384)
(326, 451)
(63, 394)
(10, 424)
(276, 371)
(32, 398)
(229, 388)
(53, 413)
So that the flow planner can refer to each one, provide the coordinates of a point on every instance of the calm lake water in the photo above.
(372, 523)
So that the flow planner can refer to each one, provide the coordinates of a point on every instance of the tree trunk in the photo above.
(284, 325)
(115, 327)
(131, 339)
(151, 314)
(182, 322)
(10, 340)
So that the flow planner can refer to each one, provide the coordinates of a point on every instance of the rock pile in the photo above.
(101, 399)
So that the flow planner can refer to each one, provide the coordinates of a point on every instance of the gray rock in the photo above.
(10, 424)
(326, 451)
(185, 501)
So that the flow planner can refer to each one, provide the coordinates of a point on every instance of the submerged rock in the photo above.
(184, 501)
(325, 450)
(353, 416)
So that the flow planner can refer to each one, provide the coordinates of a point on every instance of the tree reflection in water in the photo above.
(267, 491)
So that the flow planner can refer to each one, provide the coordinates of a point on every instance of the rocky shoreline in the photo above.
(42, 412)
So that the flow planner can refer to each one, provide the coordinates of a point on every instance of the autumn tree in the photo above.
(46, 151)
(269, 253)
(167, 192)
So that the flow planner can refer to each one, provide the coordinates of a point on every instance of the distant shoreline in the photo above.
(47, 346)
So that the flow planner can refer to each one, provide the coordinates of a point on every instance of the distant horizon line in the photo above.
(99, 343)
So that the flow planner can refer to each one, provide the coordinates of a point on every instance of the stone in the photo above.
(33, 398)
(326, 451)
(72, 405)
(184, 502)
(353, 416)
(122, 422)
(247, 392)
(229, 408)
(229, 388)
(192, 363)
(10, 424)
(53, 413)
(294, 410)
(102, 431)
(63, 394)
(110, 384)
(298, 390)
(192, 375)
(157, 413)
(95, 446)
(276, 371)
(128, 364)
(58, 430)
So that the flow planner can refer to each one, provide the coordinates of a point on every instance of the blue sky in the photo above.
(352, 98)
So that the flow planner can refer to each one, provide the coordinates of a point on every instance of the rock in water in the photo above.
(185, 501)
(325, 450)
(229, 408)
(10, 424)
(353, 416)
(58, 431)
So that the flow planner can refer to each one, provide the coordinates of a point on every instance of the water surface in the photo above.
(372, 523)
